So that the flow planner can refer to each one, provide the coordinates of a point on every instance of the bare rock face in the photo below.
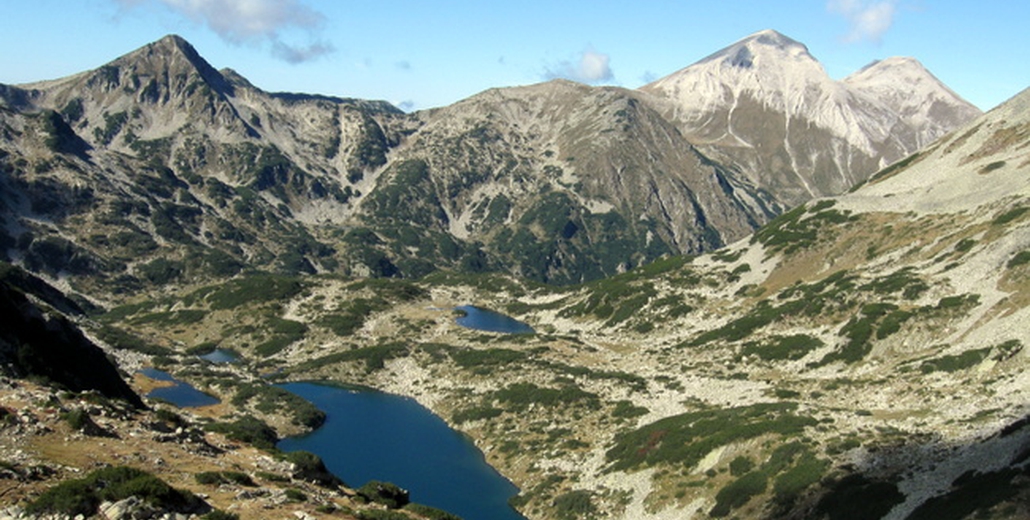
(766, 106)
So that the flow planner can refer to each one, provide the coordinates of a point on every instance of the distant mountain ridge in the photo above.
(766, 106)
(158, 168)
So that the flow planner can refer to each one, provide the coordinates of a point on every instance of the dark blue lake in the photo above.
(490, 321)
(220, 355)
(376, 436)
(180, 394)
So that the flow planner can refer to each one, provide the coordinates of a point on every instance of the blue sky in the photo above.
(421, 54)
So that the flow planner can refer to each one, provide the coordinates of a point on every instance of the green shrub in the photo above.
(83, 496)
(122, 340)
(956, 362)
(248, 429)
(1021, 258)
(470, 358)
(808, 471)
(78, 419)
(783, 347)
(254, 289)
(274, 345)
(273, 399)
(386, 493)
(475, 414)
(375, 357)
(520, 396)
(627, 410)
(740, 466)
(295, 495)
(1010, 215)
(430, 513)
(309, 467)
(738, 492)
(574, 504)
(215, 478)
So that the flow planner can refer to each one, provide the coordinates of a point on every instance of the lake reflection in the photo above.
(377, 436)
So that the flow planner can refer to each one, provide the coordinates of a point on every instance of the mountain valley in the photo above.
(730, 321)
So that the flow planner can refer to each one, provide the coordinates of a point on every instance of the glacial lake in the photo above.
(490, 321)
(220, 355)
(370, 435)
(181, 394)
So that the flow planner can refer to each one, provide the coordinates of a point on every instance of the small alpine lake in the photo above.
(180, 393)
(490, 321)
(370, 435)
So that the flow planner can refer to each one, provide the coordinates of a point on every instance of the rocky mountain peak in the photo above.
(766, 48)
(926, 103)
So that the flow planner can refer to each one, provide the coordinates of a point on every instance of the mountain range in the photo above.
(766, 106)
(860, 355)
(180, 171)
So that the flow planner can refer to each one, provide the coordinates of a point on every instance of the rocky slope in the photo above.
(766, 106)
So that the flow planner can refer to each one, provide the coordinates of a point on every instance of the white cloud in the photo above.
(254, 22)
(868, 20)
(591, 67)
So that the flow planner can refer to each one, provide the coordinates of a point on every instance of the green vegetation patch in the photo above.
(628, 410)
(171, 318)
(486, 360)
(217, 478)
(904, 281)
(430, 513)
(1010, 215)
(738, 492)
(83, 496)
(778, 348)
(801, 300)
(375, 357)
(476, 413)
(272, 399)
(613, 299)
(574, 504)
(385, 493)
(123, 340)
(311, 468)
(253, 290)
(686, 438)
(248, 429)
(799, 228)
(792, 467)
(955, 362)
(520, 396)
(1020, 258)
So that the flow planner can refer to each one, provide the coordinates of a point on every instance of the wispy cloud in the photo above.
(254, 22)
(590, 67)
(869, 20)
